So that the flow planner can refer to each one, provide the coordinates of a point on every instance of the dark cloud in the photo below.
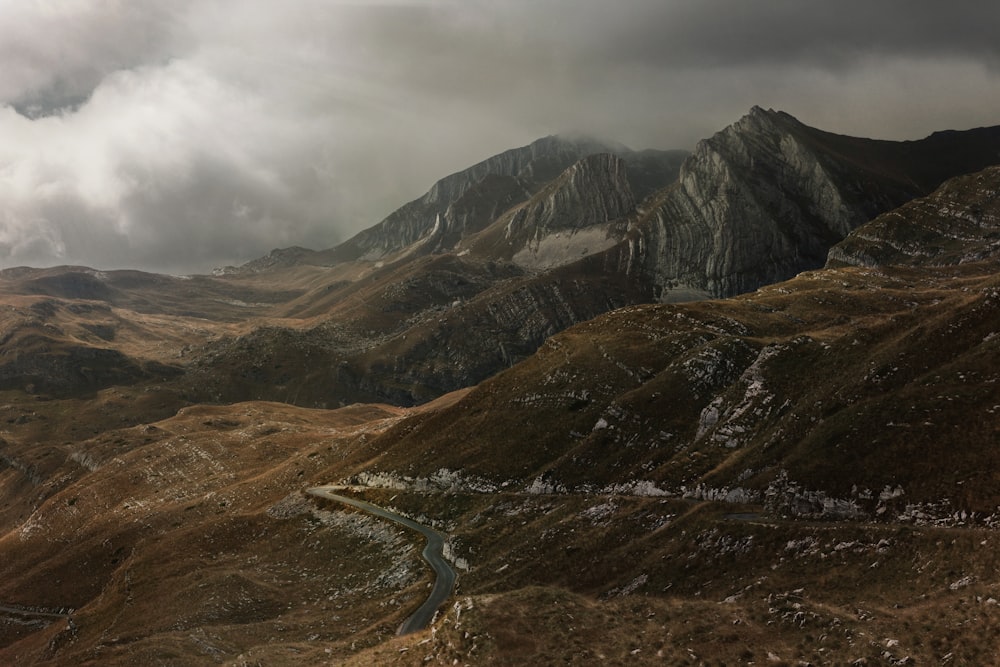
(185, 135)
(56, 54)
(717, 33)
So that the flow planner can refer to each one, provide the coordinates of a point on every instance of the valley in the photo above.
(738, 405)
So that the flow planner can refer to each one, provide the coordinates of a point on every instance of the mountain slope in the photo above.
(956, 226)
(424, 320)
(802, 474)
(571, 217)
(495, 259)
(805, 472)
(711, 397)
(466, 201)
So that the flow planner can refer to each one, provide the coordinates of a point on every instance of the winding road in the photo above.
(433, 553)
(21, 611)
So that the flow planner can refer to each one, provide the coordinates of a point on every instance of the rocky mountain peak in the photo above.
(531, 161)
(758, 119)
(766, 197)
(755, 203)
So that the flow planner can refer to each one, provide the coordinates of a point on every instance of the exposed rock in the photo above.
(519, 171)
(473, 276)
(958, 223)
(546, 231)
(277, 258)
(767, 197)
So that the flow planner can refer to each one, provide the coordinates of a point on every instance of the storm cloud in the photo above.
(186, 135)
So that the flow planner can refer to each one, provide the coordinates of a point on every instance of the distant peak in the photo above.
(774, 113)
(761, 113)
(581, 140)
(759, 119)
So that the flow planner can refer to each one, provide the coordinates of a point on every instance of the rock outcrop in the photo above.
(568, 219)
(468, 201)
(957, 224)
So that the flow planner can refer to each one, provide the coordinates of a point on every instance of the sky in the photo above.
(186, 135)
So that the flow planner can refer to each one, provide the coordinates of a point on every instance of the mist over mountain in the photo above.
(179, 137)
(574, 230)
(735, 404)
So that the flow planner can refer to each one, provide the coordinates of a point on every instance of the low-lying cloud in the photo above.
(186, 135)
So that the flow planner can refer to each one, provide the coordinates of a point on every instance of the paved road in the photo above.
(30, 612)
(433, 553)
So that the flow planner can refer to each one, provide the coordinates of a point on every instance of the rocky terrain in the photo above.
(802, 472)
(477, 273)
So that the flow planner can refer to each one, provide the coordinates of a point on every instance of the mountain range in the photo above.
(736, 404)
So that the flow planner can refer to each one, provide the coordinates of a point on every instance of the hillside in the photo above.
(818, 384)
(803, 472)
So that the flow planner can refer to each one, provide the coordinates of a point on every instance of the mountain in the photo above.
(511, 174)
(766, 198)
(466, 201)
(389, 313)
(802, 472)
(573, 212)
(476, 274)
(720, 397)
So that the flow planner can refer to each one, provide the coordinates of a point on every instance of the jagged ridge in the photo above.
(529, 167)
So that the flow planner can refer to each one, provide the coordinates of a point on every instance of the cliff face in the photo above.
(468, 201)
(768, 196)
(567, 219)
(752, 205)
(593, 191)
